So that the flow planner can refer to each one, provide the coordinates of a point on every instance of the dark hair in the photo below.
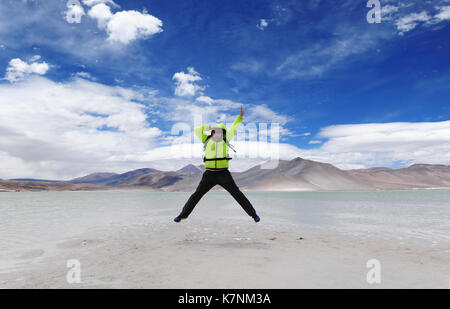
(223, 132)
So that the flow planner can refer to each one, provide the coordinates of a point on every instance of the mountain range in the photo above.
(289, 175)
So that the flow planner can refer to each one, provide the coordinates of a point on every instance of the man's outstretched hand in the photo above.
(242, 110)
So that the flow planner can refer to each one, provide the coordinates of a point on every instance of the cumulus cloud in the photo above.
(66, 129)
(347, 147)
(102, 13)
(61, 130)
(125, 26)
(18, 69)
(185, 83)
(384, 144)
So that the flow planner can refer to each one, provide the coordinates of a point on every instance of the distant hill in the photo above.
(95, 178)
(191, 170)
(414, 176)
(32, 179)
(298, 175)
(112, 179)
(289, 175)
(154, 180)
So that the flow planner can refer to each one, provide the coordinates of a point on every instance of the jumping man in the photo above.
(216, 163)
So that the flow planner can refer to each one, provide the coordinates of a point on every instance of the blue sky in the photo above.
(102, 93)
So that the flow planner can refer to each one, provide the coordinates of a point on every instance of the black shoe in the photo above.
(178, 219)
(256, 218)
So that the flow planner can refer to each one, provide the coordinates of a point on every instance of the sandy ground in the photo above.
(204, 253)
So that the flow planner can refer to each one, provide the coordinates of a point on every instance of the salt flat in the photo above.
(305, 240)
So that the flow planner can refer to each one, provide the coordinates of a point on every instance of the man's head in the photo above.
(218, 131)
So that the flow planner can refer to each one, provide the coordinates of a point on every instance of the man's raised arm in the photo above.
(234, 127)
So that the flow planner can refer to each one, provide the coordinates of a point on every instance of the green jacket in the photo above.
(217, 149)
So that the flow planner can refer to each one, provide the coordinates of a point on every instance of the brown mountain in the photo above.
(154, 180)
(414, 176)
(289, 175)
(112, 179)
(298, 175)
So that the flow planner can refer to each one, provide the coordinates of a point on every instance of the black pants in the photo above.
(209, 180)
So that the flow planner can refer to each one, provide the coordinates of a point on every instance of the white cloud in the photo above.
(347, 147)
(102, 13)
(402, 16)
(66, 129)
(249, 153)
(85, 75)
(387, 11)
(384, 144)
(263, 23)
(35, 58)
(196, 112)
(444, 13)
(95, 2)
(125, 26)
(41, 26)
(409, 22)
(186, 83)
(261, 113)
(18, 69)
(205, 99)
(188, 111)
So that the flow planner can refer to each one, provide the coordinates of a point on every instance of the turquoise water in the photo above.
(34, 220)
